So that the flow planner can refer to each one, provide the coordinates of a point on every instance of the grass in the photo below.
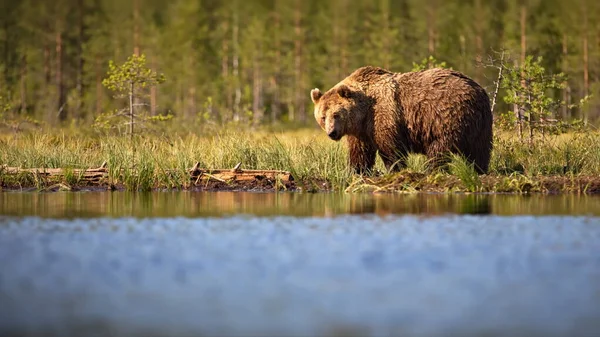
(465, 171)
(418, 163)
(565, 163)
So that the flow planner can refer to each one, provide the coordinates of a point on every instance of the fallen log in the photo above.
(237, 174)
(92, 172)
(197, 175)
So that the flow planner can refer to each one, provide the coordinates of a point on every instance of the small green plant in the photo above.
(129, 80)
(70, 177)
(505, 120)
(417, 163)
(429, 63)
(528, 86)
(4, 106)
(465, 171)
(13, 121)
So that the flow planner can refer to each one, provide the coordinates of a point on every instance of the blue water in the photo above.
(339, 275)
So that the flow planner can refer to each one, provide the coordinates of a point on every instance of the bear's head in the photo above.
(334, 110)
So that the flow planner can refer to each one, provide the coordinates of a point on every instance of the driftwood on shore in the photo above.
(197, 175)
(238, 174)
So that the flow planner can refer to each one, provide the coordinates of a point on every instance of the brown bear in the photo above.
(433, 112)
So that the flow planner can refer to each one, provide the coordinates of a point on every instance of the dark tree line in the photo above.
(256, 60)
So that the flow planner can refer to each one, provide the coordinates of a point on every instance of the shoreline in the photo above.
(301, 161)
(402, 182)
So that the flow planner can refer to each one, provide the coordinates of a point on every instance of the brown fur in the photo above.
(432, 112)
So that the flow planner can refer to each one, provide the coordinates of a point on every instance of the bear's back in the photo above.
(440, 93)
(441, 104)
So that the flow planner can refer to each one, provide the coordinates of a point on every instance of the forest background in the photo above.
(255, 61)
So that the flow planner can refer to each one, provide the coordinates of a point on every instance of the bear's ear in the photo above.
(344, 91)
(315, 95)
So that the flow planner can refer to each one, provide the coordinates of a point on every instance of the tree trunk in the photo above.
(385, 17)
(298, 110)
(275, 100)
(191, 110)
(80, 60)
(523, 24)
(47, 74)
(23, 85)
(531, 123)
(586, 76)
(60, 90)
(463, 52)
(131, 111)
(523, 33)
(567, 90)
(479, 14)
(431, 22)
(136, 44)
(235, 67)
(181, 97)
(336, 42)
(98, 66)
(153, 91)
(344, 64)
(136, 27)
(257, 111)
(46, 101)
(498, 82)
(6, 50)
(225, 70)
(519, 121)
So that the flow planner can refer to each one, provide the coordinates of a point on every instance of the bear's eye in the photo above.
(323, 119)
(336, 117)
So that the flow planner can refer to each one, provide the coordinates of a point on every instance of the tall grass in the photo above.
(163, 161)
(418, 163)
(315, 161)
(465, 171)
(576, 153)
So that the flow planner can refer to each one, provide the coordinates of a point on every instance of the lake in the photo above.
(294, 264)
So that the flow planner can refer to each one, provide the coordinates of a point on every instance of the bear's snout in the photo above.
(334, 134)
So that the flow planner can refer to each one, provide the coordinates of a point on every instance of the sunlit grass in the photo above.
(465, 171)
(575, 153)
(316, 163)
(149, 161)
(418, 163)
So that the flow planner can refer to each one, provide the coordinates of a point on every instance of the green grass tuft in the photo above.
(418, 163)
(465, 171)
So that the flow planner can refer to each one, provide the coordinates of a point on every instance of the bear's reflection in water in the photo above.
(383, 204)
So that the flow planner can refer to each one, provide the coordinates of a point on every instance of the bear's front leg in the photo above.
(361, 155)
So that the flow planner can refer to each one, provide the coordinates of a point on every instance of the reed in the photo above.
(317, 163)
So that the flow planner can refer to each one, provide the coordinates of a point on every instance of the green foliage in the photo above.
(4, 106)
(263, 56)
(129, 80)
(465, 171)
(429, 63)
(506, 120)
(530, 87)
(131, 74)
(417, 163)
(12, 121)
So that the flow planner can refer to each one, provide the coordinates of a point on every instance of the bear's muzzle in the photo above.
(335, 135)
